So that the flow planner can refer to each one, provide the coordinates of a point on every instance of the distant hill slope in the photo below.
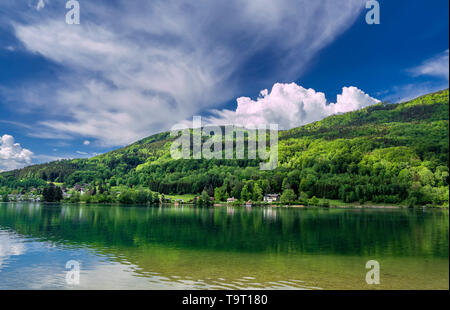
(388, 153)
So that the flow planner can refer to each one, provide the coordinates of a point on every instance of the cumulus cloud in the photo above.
(291, 105)
(12, 155)
(137, 68)
(436, 66)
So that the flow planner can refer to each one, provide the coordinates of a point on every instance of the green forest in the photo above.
(386, 153)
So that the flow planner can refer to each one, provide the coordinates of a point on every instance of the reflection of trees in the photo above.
(312, 231)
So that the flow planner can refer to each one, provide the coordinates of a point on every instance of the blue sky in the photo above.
(135, 68)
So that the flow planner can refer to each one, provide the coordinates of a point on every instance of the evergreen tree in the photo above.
(58, 194)
(49, 193)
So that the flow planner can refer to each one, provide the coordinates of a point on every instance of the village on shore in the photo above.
(89, 194)
(86, 193)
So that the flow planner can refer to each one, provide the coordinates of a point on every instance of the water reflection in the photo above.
(211, 248)
(9, 246)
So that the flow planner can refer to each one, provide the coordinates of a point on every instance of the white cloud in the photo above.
(81, 153)
(351, 99)
(49, 158)
(437, 66)
(290, 105)
(12, 155)
(41, 4)
(134, 69)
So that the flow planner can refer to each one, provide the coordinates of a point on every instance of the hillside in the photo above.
(387, 153)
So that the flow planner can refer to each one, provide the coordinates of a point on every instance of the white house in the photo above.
(269, 198)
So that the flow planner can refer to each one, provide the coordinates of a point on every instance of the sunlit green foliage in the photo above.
(387, 153)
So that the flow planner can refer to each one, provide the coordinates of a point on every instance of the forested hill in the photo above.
(391, 153)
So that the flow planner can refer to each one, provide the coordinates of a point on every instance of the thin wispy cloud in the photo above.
(437, 66)
(411, 91)
(136, 68)
(18, 124)
(41, 4)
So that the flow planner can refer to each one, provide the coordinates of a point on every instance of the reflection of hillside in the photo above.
(235, 248)
(284, 231)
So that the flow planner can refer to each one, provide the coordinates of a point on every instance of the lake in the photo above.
(186, 247)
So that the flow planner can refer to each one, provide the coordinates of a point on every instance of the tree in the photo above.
(314, 201)
(288, 196)
(210, 190)
(426, 176)
(257, 193)
(49, 193)
(52, 193)
(142, 197)
(126, 197)
(204, 199)
(58, 194)
(303, 196)
(86, 198)
(286, 184)
(245, 195)
(5, 197)
(218, 194)
(155, 198)
(265, 186)
(75, 197)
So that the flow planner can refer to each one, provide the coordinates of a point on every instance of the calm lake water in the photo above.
(221, 248)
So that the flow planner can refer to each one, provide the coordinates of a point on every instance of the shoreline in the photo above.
(215, 205)
(296, 206)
